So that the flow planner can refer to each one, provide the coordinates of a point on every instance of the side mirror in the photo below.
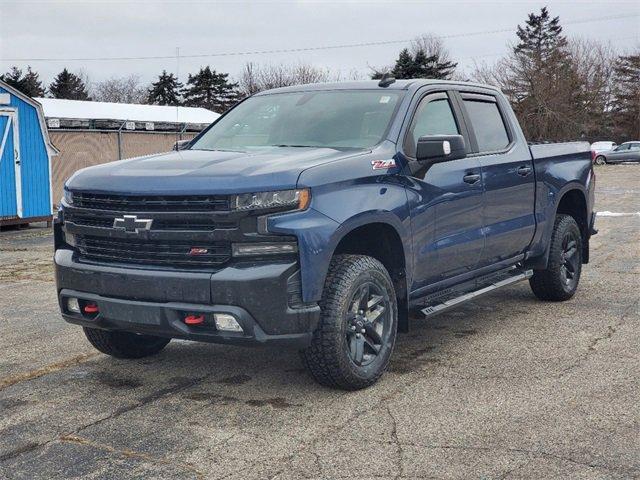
(440, 148)
(181, 144)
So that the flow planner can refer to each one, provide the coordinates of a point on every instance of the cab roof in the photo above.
(371, 85)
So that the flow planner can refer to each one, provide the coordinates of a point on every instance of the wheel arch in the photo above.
(381, 239)
(572, 201)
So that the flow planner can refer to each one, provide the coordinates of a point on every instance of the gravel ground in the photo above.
(504, 387)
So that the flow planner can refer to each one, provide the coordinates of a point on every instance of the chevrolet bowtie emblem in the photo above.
(132, 224)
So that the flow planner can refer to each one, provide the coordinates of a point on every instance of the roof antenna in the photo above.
(386, 80)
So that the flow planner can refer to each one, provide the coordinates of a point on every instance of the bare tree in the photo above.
(593, 63)
(559, 88)
(121, 90)
(431, 45)
(625, 104)
(570, 101)
(255, 77)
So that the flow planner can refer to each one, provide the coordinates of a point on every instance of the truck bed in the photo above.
(577, 150)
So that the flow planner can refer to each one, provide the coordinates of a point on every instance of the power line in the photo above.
(296, 50)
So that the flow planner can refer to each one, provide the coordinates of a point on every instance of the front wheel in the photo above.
(600, 160)
(559, 281)
(353, 342)
(125, 344)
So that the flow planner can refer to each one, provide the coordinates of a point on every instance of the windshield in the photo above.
(332, 119)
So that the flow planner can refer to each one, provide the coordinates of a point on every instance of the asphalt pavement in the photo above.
(505, 387)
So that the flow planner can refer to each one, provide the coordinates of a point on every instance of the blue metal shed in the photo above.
(25, 159)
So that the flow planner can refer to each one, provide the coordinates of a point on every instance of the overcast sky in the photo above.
(32, 31)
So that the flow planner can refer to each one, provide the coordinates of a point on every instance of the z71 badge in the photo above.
(383, 164)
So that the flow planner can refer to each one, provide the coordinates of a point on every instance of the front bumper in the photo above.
(262, 297)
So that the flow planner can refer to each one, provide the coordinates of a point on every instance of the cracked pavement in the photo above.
(506, 387)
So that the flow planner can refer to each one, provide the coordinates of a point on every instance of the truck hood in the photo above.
(200, 172)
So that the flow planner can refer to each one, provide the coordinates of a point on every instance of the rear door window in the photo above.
(488, 125)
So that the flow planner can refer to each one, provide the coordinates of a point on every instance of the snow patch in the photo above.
(606, 213)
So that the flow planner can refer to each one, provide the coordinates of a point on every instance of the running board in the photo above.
(508, 278)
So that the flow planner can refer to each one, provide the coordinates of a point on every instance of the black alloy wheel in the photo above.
(368, 324)
(559, 280)
(570, 260)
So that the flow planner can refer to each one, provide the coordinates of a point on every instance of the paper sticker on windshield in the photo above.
(385, 99)
(383, 164)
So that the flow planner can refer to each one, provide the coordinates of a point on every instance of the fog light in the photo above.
(226, 322)
(73, 305)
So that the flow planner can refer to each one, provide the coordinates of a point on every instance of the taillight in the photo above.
(593, 155)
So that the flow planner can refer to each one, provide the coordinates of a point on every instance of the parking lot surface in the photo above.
(504, 387)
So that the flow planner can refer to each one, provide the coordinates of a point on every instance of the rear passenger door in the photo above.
(508, 177)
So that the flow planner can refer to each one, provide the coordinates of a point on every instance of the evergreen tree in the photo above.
(13, 78)
(32, 85)
(166, 91)
(29, 83)
(626, 97)
(210, 90)
(433, 67)
(68, 85)
(405, 66)
(544, 85)
(541, 36)
(420, 65)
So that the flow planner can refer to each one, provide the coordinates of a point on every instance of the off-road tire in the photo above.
(327, 357)
(125, 344)
(549, 284)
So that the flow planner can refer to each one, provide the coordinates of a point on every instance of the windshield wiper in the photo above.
(216, 150)
(292, 146)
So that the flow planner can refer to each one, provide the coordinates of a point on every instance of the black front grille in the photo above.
(91, 219)
(139, 203)
(151, 252)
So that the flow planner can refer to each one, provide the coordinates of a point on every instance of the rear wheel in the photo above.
(353, 342)
(600, 160)
(559, 281)
(125, 344)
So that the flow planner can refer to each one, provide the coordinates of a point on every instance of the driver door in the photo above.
(445, 199)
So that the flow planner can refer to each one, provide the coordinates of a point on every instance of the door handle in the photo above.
(523, 171)
(471, 178)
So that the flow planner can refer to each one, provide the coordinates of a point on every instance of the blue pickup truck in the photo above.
(323, 217)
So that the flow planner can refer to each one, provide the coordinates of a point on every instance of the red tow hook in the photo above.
(194, 319)
(91, 308)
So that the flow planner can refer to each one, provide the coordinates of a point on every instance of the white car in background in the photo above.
(599, 147)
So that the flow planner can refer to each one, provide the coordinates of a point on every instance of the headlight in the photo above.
(287, 199)
(68, 197)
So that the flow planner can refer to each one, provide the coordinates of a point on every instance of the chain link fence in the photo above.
(85, 148)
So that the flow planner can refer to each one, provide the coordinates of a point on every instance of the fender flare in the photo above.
(542, 261)
(371, 217)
